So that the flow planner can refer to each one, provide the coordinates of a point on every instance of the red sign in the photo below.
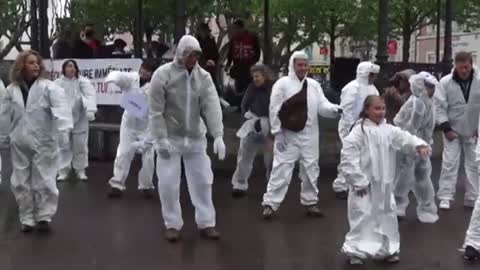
(323, 51)
(392, 47)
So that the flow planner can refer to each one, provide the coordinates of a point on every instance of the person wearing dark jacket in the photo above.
(244, 52)
(255, 132)
(209, 58)
(87, 47)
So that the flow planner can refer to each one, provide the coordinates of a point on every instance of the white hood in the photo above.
(291, 63)
(186, 46)
(364, 69)
(417, 83)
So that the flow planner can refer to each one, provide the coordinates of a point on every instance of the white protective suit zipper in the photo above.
(188, 109)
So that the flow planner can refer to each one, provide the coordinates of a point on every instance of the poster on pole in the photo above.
(96, 70)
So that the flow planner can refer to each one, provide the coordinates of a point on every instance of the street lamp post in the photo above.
(447, 50)
(382, 56)
(180, 19)
(267, 50)
(34, 25)
(139, 30)
(439, 10)
(43, 23)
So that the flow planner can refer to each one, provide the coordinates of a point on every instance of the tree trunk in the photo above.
(333, 37)
(407, 36)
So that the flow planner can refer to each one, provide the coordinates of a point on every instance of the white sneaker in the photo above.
(469, 203)
(445, 205)
(82, 175)
(62, 175)
(355, 261)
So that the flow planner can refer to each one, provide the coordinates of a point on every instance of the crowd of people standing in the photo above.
(386, 140)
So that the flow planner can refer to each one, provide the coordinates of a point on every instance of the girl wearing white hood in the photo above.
(182, 99)
(417, 117)
(295, 104)
(368, 165)
(82, 101)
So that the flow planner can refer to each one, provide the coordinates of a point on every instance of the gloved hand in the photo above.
(164, 148)
(90, 116)
(64, 138)
(219, 148)
(138, 147)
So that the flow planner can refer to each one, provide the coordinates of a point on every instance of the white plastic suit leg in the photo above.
(471, 169)
(123, 160)
(169, 173)
(427, 211)
(308, 173)
(66, 155)
(472, 237)
(199, 176)
(339, 184)
(285, 155)
(404, 182)
(246, 156)
(198, 171)
(449, 173)
(373, 231)
(145, 175)
(33, 183)
(79, 150)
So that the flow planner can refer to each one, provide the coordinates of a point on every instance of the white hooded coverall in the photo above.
(2, 142)
(81, 98)
(134, 137)
(368, 162)
(414, 172)
(472, 237)
(303, 146)
(181, 102)
(351, 102)
(452, 107)
(32, 130)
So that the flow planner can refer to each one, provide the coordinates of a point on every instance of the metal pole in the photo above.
(180, 19)
(34, 25)
(382, 56)
(447, 50)
(439, 21)
(43, 23)
(139, 30)
(267, 50)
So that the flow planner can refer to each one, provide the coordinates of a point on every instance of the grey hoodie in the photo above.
(181, 103)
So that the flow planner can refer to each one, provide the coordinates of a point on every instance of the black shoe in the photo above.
(26, 228)
(210, 233)
(43, 226)
(238, 193)
(314, 211)
(471, 254)
(172, 235)
(267, 212)
(115, 193)
(148, 193)
(342, 195)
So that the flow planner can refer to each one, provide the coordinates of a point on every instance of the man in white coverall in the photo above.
(134, 135)
(351, 101)
(182, 99)
(457, 102)
(300, 99)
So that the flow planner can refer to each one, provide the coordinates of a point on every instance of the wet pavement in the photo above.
(92, 232)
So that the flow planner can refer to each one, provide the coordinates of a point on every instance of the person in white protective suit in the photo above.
(368, 165)
(182, 99)
(414, 172)
(134, 135)
(33, 112)
(255, 132)
(351, 102)
(2, 92)
(457, 103)
(81, 99)
(295, 104)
